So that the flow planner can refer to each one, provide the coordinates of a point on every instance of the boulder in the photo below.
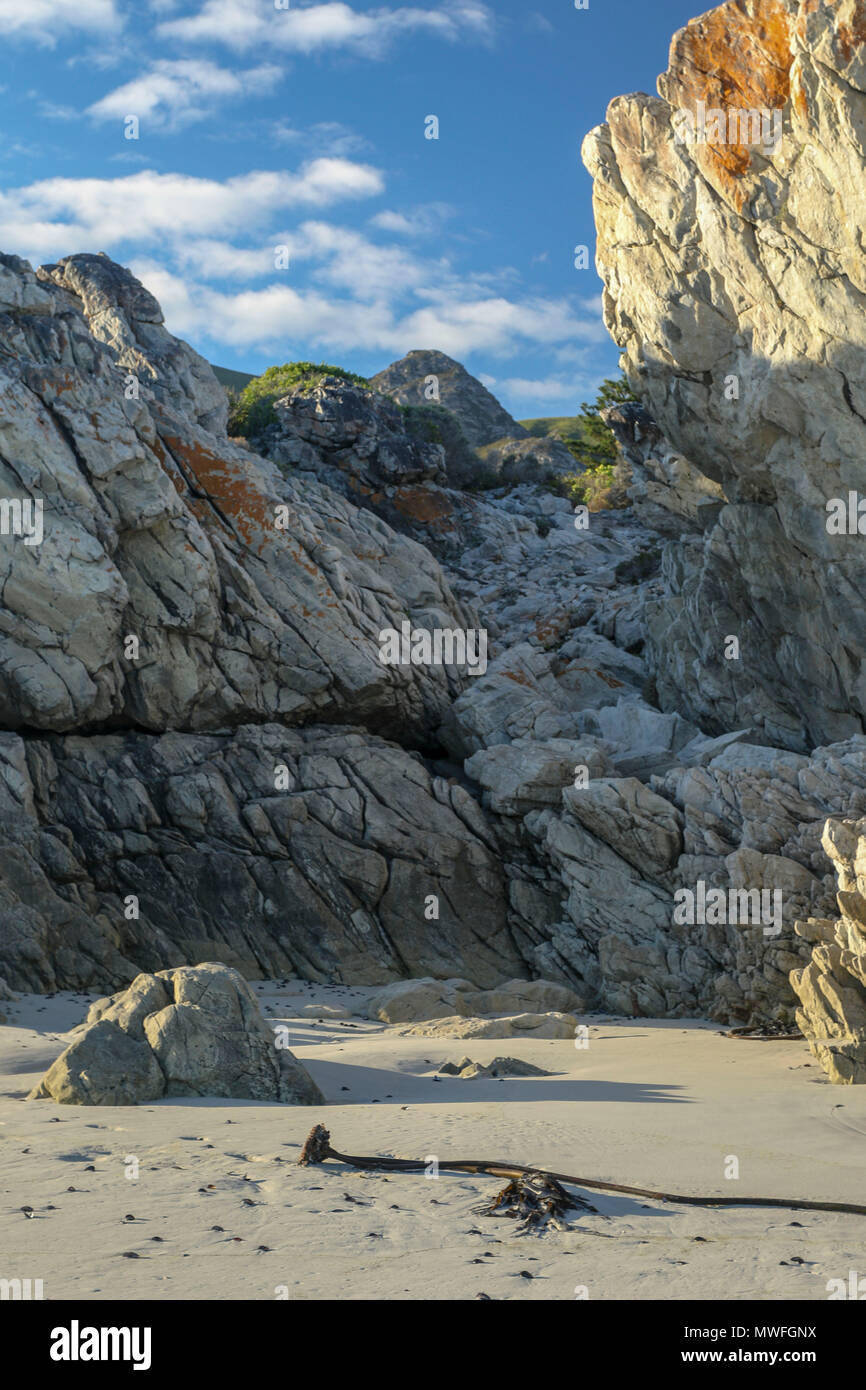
(526, 774)
(415, 1001)
(407, 1001)
(546, 1025)
(189, 1031)
(499, 1068)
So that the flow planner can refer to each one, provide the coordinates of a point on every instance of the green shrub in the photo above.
(253, 409)
(586, 436)
(598, 446)
(598, 488)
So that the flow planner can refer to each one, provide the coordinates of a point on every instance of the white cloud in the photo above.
(46, 21)
(547, 389)
(56, 216)
(176, 92)
(206, 248)
(284, 316)
(425, 220)
(324, 137)
(244, 24)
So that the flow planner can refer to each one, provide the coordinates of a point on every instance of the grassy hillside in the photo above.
(236, 381)
(571, 429)
(563, 426)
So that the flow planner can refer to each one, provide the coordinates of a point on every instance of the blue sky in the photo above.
(301, 126)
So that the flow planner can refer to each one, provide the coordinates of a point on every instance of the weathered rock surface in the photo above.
(194, 1031)
(344, 427)
(668, 492)
(734, 284)
(546, 1025)
(418, 1001)
(170, 590)
(499, 1068)
(832, 987)
(481, 417)
(506, 448)
(277, 851)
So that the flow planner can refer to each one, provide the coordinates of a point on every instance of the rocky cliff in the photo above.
(203, 753)
(728, 211)
(181, 583)
(247, 782)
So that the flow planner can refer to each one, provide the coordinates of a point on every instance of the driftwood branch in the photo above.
(318, 1148)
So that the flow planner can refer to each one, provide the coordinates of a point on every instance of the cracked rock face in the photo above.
(194, 1031)
(251, 786)
(832, 987)
(181, 581)
(328, 854)
(734, 284)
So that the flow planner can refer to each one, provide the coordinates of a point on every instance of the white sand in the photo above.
(651, 1104)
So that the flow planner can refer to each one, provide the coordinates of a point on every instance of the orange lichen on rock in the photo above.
(552, 630)
(851, 33)
(233, 491)
(736, 59)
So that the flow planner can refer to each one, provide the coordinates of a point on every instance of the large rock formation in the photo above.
(181, 582)
(196, 1031)
(247, 782)
(505, 447)
(734, 284)
(424, 375)
(832, 987)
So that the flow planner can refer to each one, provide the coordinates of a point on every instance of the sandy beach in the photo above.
(220, 1209)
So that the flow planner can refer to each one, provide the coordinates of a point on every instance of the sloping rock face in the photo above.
(667, 492)
(186, 595)
(181, 581)
(195, 1031)
(325, 853)
(734, 284)
(832, 987)
(482, 418)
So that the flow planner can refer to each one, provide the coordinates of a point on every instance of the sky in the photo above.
(265, 168)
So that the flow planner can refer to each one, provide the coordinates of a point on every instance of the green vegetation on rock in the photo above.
(592, 444)
(253, 409)
(586, 435)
